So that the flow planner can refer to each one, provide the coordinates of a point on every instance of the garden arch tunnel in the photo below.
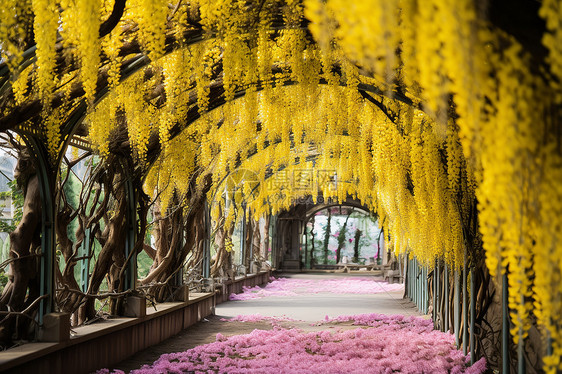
(72, 133)
(49, 171)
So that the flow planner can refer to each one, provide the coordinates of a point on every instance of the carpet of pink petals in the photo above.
(389, 344)
(292, 287)
(257, 318)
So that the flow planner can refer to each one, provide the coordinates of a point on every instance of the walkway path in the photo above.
(302, 307)
(315, 306)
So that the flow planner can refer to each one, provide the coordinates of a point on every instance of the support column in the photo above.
(456, 302)
(438, 296)
(521, 366)
(273, 241)
(472, 317)
(47, 178)
(305, 246)
(85, 249)
(206, 263)
(411, 271)
(505, 325)
(408, 282)
(446, 296)
(422, 289)
(417, 282)
(243, 239)
(426, 285)
(131, 238)
(434, 299)
(465, 306)
(414, 283)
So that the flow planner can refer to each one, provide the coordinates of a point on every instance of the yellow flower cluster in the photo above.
(111, 45)
(295, 141)
(80, 24)
(88, 14)
(548, 275)
(176, 68)
(458, 67)
(551, 11)
(12, 30)
(478, 125)
(151, 17)
(45, 28)
(20, 85)
(173, 171)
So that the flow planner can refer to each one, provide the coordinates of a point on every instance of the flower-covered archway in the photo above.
(444, 145)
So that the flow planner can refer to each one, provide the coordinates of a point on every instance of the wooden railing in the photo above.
(106, 343)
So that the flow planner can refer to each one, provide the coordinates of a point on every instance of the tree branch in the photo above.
(114, 18)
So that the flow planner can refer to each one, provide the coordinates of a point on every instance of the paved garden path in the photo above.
(299, 309)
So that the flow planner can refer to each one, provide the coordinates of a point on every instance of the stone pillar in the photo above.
(56, 327)
(182, 293)
(135, 306)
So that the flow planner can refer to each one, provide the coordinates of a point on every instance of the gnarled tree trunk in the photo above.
(221, 266)
(25, 246)
(111, 258)
(179, 233)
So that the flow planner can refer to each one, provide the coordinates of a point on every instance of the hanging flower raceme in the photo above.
(413, 108)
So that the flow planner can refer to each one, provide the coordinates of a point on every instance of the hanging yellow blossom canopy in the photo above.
(425, 111)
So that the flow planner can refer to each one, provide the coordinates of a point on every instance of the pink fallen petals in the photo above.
(413, 323)
(388, 344)
(290, 287)
(257, 318)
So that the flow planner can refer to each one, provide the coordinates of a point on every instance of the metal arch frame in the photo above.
(242, 246)
(307, 218)
(131, 236)
(318, 208)
(48, 175)
(133, 66)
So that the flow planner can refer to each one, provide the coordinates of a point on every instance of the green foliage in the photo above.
(3, 280)
(341, 237)
(149, 227)
(356, 238)
(17, 201)
(144, 262)
(356, 250)
(71, 190)
(327, 234)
